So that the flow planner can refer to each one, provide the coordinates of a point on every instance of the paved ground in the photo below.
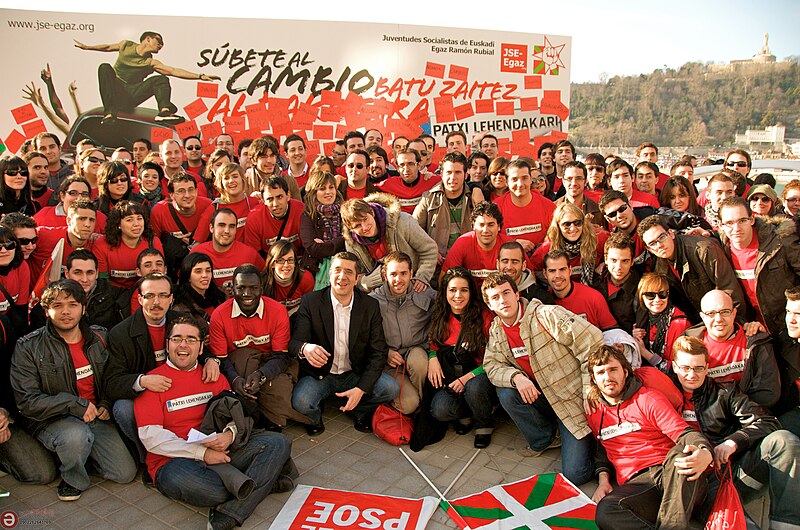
(340, 458)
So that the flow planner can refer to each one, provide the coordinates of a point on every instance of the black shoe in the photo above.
(283, 484)
(147, 480)
(220, 521)
(482, 440)
(290, 469)
(315, 429)
(363, 424)
(67, 492)
(463, 428)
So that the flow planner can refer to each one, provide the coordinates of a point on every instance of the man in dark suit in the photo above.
(339, 340)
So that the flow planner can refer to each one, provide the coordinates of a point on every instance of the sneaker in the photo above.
(220, 521)
(67, 492)
(169, 118)
(283, 484)
(527, 451)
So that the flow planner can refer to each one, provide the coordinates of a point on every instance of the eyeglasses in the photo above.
(358, 165)
(338, 153)
(793, 200)
(286, 261)
(149, 297)
(724, 313)
(126, 161)
(736, 222)
(687, 369)
(76, 193)
(737, 164)
(614, 213)
(15, 172)
(573, 179)
(95, 160)
(566, 225)
(537, 180)
(191, 341)
(657, 242)
(117, 180)
(25, 241)
(760, 198)
(651, 295)
(8, 245)
(503, 173)
(407, 164)
(595, 168)
(193, 147)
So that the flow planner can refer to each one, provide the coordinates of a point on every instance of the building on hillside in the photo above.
(770, 138)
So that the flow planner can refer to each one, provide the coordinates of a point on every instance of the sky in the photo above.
(615, 37)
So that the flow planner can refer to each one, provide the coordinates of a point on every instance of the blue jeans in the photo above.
(537, 423)
(75, 442)
(476, 402)
(123, 415)
(24, 458)
(310, 394)
(192, 482)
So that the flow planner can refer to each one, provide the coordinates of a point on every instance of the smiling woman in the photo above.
(15, 188)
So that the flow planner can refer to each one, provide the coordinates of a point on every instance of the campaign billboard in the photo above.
(114, 78)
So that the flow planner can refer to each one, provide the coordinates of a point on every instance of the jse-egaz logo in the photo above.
(514, 58)
(8, 519)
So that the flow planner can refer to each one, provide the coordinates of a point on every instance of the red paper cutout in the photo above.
(187, 129)
(443, 107)
(529, 104)
(207, 90)
(323, 132)
(234, 124)
(484, 106)
(33, 128)
(460, 73)
(14, 141)
(195, 108)
(434, 70)
(533, 82)
(211, 130)
(24, 113)
(505, 108)
(160, 134)
(464, 111)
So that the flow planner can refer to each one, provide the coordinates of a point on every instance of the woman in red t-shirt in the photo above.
(87, 166)
(284, 280)
(458, 336)
(663, 322)
(197, 294)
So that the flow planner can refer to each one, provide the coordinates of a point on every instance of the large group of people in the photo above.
(648, 324)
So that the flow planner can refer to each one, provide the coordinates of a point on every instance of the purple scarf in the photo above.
(380, 219)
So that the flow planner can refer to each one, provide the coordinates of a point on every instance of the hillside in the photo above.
(695, 105)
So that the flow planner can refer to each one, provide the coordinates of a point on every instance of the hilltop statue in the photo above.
(765, 47)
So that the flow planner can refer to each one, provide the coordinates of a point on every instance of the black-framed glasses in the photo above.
(737, 163)
(613, 214)
(566, 225)
(15, 172)
(191, 341)
(95, 160)
(736, 222)
(722, 312)
(284, 261)
(193, 147)
(24, 241)
(651, 295)
(76, 193)
(357, 165)
(117, 180)
(149, 297)
(657, 241)
(8, 245)
(687, 369)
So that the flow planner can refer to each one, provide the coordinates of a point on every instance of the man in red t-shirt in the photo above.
(477, 251)
(250, 332)
(179, 468)
(277, 218)
(410, 185)
(356, 185)
(620, 178)
(38, 175)
(57, 373)
(79, 233)
(578, 298)
(225, 252)
(294, 147)
(658, 458)
(526, 213)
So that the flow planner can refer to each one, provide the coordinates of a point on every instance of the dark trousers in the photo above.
(120, 96)
(655, 498)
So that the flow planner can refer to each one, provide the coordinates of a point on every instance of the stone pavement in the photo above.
(339, 458)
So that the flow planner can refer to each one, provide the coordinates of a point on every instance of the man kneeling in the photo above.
(181, 470)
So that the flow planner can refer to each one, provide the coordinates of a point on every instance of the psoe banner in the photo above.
(115, 78)
(312, 508)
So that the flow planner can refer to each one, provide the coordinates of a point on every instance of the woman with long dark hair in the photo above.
(15, 188)
(88, 164)
(678, 194)
(197, 294)
(218, 158)
(458, 335)
(127, 234)
(321, 226)
(114, 186)
(284, 280)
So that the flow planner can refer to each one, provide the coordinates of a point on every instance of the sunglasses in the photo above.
(760, 198)
(126, 161)
(737, 164)
(15, 172)
(193, 147)
(577, 223)
(25, 241)
(95, 160)
(596, 168)
(663, 295)
(613, 214)
(503, 173)
(359, 165)
(8, 245)
(117, 180)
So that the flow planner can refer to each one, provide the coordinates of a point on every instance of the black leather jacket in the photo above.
(43, 375)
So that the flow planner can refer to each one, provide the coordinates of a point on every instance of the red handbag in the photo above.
(391, 425)
(727, 512)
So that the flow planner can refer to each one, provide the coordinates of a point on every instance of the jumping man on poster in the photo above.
(128, 83)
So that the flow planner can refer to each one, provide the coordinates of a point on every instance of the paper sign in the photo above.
(197, 437)
(434, 70)
(14, 141)
(330, 114)
(187, 129)
(555, 108)
(234, 124)
(195, 108)
(529, 104)
(207, 90)
(331, 98)
(24, 113)
(160, 134)
(460, 73)
(323, 132)
(33, 128)
(520, 137)
(558, 135)
(533, 82)
(464, 111)
(505, 108)
(444, 109)
(484, 106)
(211, 130)
(312, 149)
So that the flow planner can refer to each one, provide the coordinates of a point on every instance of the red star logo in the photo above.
(548, 57)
